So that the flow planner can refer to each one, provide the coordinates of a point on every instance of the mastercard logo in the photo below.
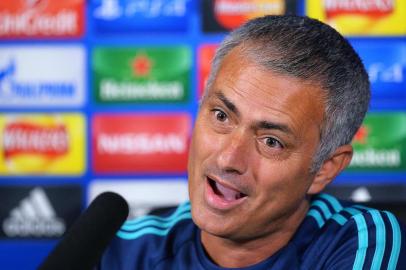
(232, 13)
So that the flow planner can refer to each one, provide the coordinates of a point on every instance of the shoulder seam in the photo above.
(320, 208)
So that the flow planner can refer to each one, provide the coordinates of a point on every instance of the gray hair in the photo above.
(313, 51)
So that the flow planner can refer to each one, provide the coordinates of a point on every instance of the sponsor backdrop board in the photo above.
(102, 95)
(144, 195)
(205, 54)
(384, 197)
(386, 66)
(140, 143)
(131, 75)
(42, 19)
(38, 212)
(34, 76)
(226, 15)
(142, 15)
(42, 144)
(364, 18)
(380, 143)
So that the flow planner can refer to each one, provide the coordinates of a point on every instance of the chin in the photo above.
(210, 222)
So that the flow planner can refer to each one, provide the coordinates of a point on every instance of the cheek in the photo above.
(203, 144)
(200, 150)
(282, 179)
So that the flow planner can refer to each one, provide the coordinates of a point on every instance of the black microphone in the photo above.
(85, 242)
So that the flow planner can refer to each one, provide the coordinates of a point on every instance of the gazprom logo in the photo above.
(41, 76)
(6, 75)
(9, 86)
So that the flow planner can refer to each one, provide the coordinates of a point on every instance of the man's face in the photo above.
(252, 147)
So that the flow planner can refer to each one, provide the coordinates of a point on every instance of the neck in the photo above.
(231, 253)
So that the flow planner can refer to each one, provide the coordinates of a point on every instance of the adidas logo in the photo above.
(34, 217)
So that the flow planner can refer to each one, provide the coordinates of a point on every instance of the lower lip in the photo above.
(219, 203)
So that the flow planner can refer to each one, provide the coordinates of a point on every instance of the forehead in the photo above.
(266, 93)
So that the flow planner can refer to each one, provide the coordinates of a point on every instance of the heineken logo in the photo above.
(371, 157)
(141, 65)
(376, 158)
(141, 74)
(111, 90)
(380, 143)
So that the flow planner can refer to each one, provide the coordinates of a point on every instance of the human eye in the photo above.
(272, 142)
(219, 115)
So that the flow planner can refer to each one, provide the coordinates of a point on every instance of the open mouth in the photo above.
(227, 193)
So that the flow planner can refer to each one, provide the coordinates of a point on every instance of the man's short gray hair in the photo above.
(313, 51)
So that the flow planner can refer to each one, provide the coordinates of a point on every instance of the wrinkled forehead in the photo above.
(246, 55)
(241, 78)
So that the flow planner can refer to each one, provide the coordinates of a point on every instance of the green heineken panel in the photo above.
(380, 143)
(141, 75)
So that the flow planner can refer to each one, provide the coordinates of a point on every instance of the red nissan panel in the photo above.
(140, 143)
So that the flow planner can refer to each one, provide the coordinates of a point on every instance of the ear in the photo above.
(331, 167)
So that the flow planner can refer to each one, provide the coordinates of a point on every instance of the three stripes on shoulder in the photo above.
(320, 210)
(133, 229)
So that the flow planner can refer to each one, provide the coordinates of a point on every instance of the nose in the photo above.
(234, 153)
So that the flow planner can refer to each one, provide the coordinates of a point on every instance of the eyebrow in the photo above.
(230, 105)
(271, 125)
(261, 124)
